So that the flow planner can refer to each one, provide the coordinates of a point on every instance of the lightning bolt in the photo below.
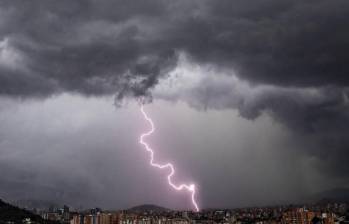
(189, 188)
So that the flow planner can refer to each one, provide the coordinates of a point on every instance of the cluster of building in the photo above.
(304, 216)
(61, 215)
(324, 214)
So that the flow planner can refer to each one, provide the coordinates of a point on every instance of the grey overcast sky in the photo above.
(250, 100)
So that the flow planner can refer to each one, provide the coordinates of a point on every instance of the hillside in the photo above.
(147, 208)
(333, 195)
(10, 213)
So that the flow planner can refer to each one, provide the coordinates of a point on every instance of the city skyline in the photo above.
(313, 213)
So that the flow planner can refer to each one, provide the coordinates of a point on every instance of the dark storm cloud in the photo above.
(283, 43)
(109, 47)
(84, 47)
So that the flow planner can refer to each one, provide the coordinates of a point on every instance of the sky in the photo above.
(250, 100)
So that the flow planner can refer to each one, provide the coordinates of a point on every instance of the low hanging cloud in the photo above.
(318, 116)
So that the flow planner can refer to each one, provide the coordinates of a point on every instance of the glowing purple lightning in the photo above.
(190, 188)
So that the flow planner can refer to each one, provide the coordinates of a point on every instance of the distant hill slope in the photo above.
(10, 213)
(30, 204)
(147, 208)
(335, 195)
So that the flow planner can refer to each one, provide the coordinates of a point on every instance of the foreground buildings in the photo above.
(317, 214)
(303, 216)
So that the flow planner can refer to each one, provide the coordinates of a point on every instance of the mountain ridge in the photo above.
(10, 213)
(148, 207)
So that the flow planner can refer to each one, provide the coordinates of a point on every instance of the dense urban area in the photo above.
(325, 213)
